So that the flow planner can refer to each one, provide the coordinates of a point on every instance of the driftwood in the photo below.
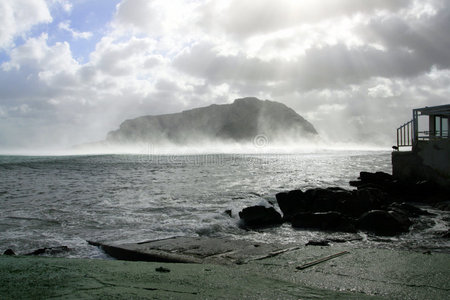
(321, 260)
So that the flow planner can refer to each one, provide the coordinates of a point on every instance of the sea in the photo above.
(66, 200)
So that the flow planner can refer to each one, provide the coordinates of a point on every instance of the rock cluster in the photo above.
(379, 205)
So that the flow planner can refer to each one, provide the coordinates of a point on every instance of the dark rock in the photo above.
(408, 209)
(162, 270)
(336, 189)
(349, 203)
(370, 185)
(318, 243)
(443, 205)
(260, 216)
(377, 177)
(356, 183)
(421, 191)
(382, 181)
(291, 203)
(323, 200)
(312, 200)
(402, 191)
(9, 252)
(362, 201)
(402, 217)
(333, 221)
(383, 223)
(425, 187)
(373, 196)
(50, 251)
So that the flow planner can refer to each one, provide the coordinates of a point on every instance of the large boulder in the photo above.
(408, 209)
(313, 200)
(382, 222)
(380, 178)
(363, 200)
(260, 216)
(9, 252)
(50, 250)
(291, 203)
(330, 199)
(330, 221)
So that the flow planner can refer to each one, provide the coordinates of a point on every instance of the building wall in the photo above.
(429, 160)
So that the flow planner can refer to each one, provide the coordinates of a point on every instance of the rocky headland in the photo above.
(240, 121)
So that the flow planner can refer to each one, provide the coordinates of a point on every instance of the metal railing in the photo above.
(432, 135)
(405, 135)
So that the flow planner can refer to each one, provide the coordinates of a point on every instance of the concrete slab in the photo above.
(194, 250)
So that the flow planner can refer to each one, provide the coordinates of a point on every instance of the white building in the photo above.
(426, 139)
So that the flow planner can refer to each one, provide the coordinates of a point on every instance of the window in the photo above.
(444, 127)
(437, 126)
(441, 126)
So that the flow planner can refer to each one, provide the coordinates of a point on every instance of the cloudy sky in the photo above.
(71, 70)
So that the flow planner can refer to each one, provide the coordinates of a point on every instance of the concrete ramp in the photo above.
(194, 250)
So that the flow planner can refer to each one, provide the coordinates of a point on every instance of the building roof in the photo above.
(434, 110)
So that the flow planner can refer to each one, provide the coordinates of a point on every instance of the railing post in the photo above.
(415, 127)
(408, 132)
(404, 134)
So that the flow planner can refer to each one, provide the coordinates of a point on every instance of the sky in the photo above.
(72, 70)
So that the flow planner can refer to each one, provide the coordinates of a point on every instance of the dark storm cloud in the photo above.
(426, 37)
(408, 47)
(328, 67)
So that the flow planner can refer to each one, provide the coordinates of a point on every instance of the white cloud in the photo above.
(130, 57)
(66, 5)
(382, 89)
(76, 34)
(18, 16)
(36, 55)
(158, 17)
